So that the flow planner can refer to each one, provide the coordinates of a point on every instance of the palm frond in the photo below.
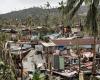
(96, 3)
(75, 9)
(61, 3)
(91, 21)
(88, 2)
(70, 5)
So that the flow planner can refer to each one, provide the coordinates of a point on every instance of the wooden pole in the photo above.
(21, 64)
(21, 70)
(94, 57)
(81, 76)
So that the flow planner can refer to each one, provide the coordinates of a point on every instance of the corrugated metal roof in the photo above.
(48, 44)
(79, 41)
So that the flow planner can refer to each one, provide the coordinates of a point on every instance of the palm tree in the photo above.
(91, 18)
(48, 6)
(29, 21)
(61, 9)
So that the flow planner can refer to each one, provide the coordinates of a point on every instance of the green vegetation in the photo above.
(7, 71)
(37, 16)
(36, 76)
(48, 17)
(70, 13)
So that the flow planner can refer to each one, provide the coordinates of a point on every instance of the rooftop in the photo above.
(79, 41)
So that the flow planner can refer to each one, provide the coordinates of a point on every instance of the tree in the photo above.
(47, 14)
(91, 18)
(29, 21)
(62, 10)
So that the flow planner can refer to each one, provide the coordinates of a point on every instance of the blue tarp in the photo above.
(61, 47)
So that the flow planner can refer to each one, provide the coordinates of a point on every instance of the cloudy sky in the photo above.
(12, 5)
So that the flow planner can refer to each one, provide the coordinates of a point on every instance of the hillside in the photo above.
(28, 12)
(35, 12)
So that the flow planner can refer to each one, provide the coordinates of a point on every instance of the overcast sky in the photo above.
(13, 5)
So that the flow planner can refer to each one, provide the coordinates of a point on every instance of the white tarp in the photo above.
(87, 54)
(38, 47)
(69, 74)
